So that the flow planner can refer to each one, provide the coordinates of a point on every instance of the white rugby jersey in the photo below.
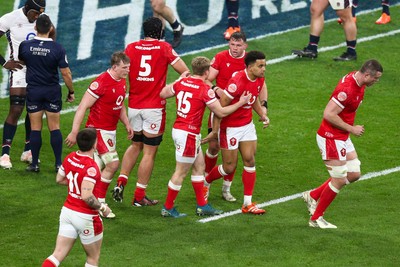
(17, 28)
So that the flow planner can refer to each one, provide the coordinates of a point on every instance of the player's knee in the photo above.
(157, 5)
(353, 170)
(18, 101)
(152, 141)
(229, 167)
(110, 160)
(337, 171)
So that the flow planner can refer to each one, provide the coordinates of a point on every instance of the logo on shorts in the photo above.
(153, 126)
(233, 141)
(110, 142)
(94, 85)
(343, 152)
(86, 232)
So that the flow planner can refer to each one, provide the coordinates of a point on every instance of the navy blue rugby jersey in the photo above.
(43, 57)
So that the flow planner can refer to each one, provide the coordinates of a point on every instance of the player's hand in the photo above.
(211, 136)
(130, 131)
(70, 140)
(245, 98)
(265, 121)
(70, 98)
(185, 74)
(13, 65)
(358, 130)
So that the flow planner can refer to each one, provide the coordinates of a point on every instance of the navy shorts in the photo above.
(43, 98)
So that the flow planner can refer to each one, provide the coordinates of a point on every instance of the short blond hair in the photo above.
(200, 65)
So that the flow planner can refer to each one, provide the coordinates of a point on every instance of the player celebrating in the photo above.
(105, 99)
(80, 213)
(333, 138)
(20, 26)
(237, 132)
(223, 65)
(192, 97)
(147, 76)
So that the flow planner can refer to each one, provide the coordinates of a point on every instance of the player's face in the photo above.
(257, 69)
(32, 15)
(372, 79)
(237, 47)
(121, 70)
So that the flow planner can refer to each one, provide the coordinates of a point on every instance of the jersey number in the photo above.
(145, 65)
(73, 183)
(183, 101)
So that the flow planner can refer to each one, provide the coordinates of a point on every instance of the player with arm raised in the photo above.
(192, 97)
(237, 132)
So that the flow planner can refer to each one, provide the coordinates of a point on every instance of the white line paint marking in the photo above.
(298, 195)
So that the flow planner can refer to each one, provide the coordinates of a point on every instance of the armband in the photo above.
(2, 60)
(264, 103)
(103, 207)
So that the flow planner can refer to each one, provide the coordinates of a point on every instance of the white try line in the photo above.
(298, 195)
(281, 59)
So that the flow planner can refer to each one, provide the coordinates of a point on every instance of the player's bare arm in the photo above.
(62, 180)
(10, 64)
(331, 114)
(86, 103)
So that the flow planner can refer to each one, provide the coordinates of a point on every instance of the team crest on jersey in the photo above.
(342, 96)
(233, 141)
(228, 64)
(211, 93)
(94, 85)
(92, 171)
(343, 152)
(174, 53)
(232, 88)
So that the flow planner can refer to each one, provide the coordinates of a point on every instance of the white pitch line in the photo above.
(291, 197)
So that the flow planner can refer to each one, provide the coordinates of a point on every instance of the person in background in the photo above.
(333, 139)
(80, 213)
(343, 10)
(232, 6)
(164, 12)
(20, 24)
(43, 57)
(383, 19)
